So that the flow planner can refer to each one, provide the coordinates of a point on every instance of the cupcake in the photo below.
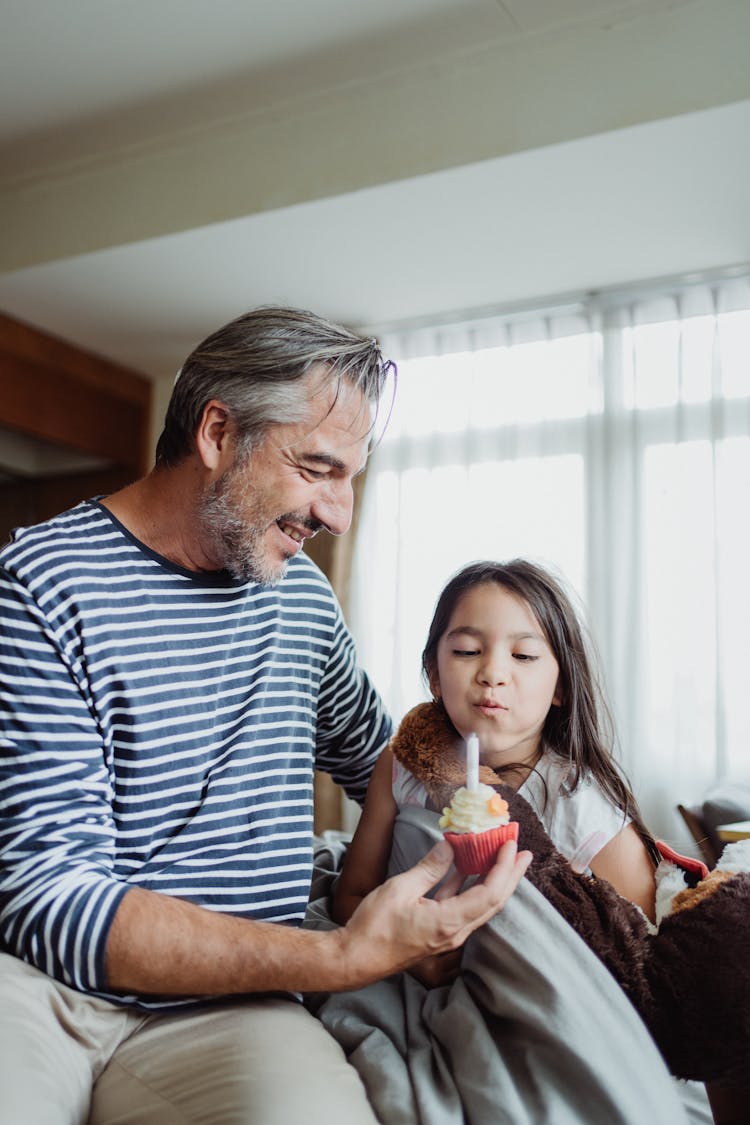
(476, 824)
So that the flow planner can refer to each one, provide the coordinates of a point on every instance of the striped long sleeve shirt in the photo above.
(160, 728)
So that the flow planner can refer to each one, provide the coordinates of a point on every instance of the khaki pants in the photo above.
(67, 1058)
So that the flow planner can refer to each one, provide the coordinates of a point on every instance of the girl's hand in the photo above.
(442, 968)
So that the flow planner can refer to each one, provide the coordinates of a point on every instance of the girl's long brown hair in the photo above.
(579, 730)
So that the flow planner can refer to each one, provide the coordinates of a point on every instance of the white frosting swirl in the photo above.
(475, 811)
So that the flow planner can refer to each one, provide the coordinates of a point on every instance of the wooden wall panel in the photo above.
(56, 392)
(75, 401)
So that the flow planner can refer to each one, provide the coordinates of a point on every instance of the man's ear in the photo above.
(213, 436)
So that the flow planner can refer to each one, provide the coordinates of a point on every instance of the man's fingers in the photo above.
(505, 862)
(489, 896)
(462, 913)
(430, 869)
(484, 899)
(510, 864)
(450, 886)
(501, 880)
(409, 925)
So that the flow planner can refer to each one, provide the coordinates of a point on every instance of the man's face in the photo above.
(256, 516)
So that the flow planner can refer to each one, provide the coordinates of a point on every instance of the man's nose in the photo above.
(334, 507)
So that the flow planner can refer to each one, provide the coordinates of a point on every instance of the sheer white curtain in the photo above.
(608, 439)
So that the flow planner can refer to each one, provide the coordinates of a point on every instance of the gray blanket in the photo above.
(534, 1030)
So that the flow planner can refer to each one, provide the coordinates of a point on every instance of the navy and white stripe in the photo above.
(160, 728)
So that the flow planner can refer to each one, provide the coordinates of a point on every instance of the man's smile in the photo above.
(298, 532)
(292, 532)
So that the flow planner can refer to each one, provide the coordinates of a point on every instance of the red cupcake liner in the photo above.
(474, 853)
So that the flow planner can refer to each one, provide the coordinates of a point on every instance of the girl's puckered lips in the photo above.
(490, 705)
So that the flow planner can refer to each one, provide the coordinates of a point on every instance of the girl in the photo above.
(505, 657)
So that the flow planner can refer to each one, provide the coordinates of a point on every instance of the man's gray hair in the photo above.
(255, 364)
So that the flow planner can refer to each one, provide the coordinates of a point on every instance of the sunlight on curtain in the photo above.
(610, 441)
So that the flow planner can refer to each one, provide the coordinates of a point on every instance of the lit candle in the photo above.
(472, 763)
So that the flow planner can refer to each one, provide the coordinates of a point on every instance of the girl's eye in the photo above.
(466, 652)
(524, 656)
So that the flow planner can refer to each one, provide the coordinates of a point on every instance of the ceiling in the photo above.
(166, 164)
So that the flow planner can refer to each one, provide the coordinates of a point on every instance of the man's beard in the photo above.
(234, 518)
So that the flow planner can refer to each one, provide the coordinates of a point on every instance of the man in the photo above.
(173, 669)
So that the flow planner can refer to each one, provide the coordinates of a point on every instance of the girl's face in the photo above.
(496, 674)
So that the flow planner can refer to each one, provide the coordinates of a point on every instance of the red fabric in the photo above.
(695, 866)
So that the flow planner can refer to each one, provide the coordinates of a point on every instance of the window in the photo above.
(609, 441)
